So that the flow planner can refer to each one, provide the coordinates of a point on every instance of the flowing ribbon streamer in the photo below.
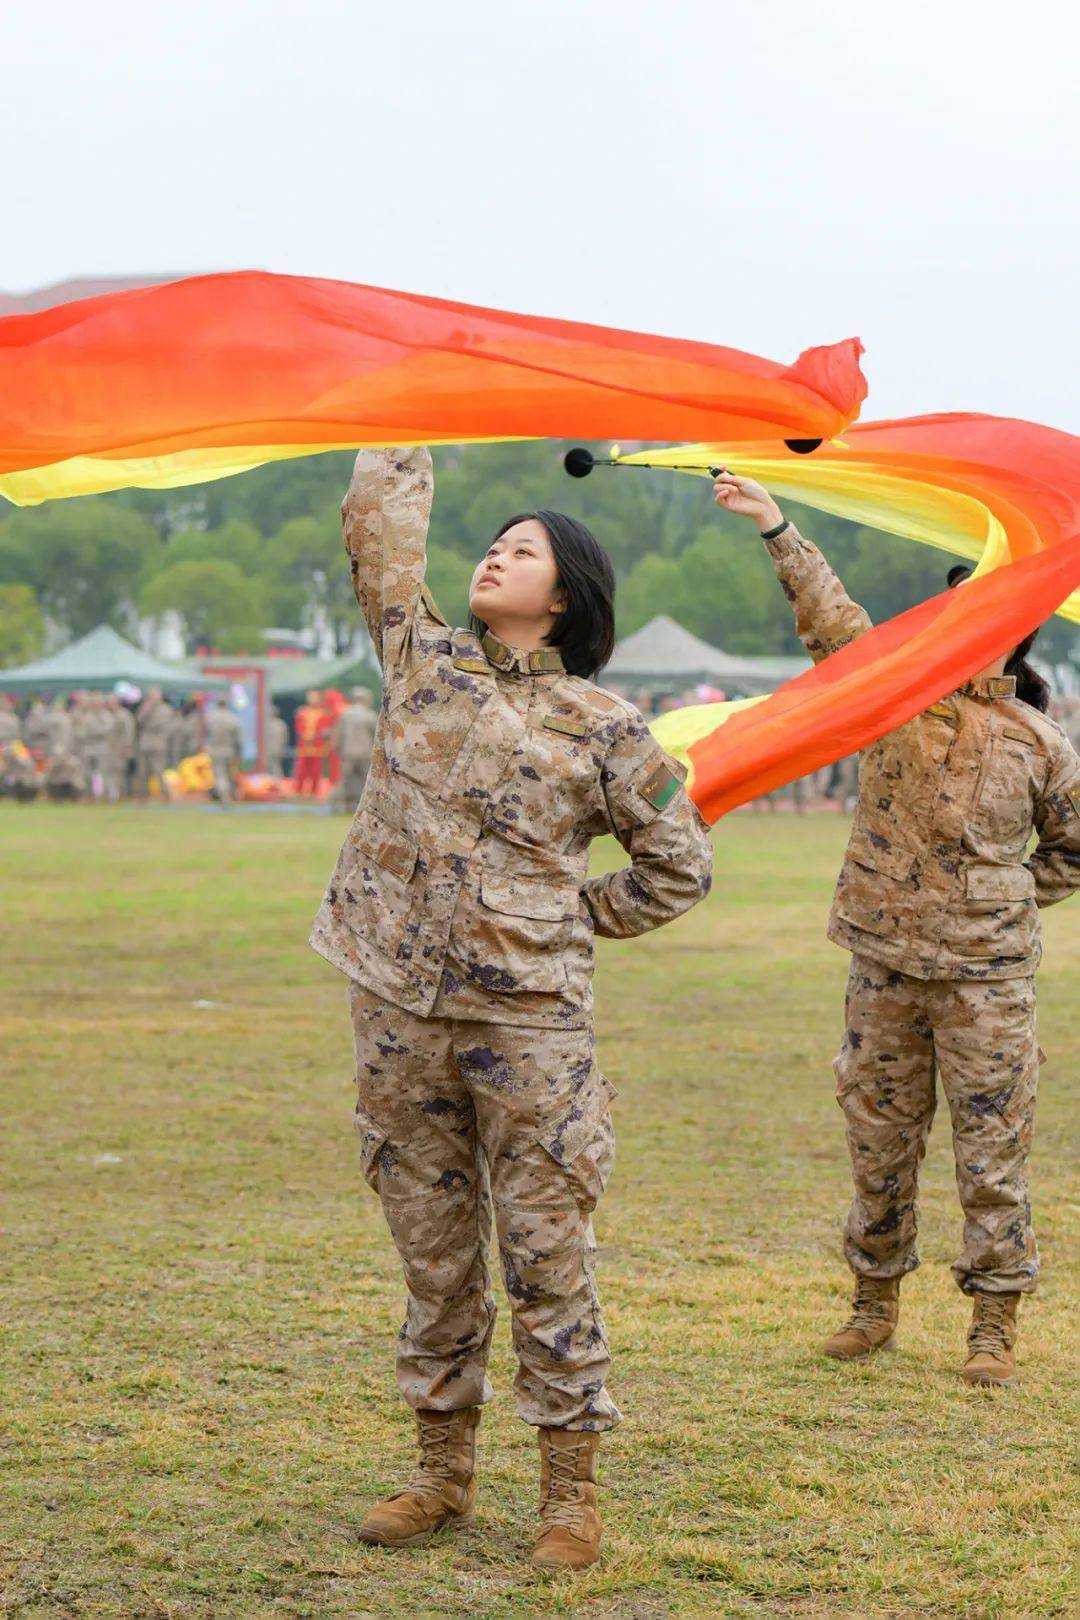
(1003, 493)
(200, 378)
(196, 379)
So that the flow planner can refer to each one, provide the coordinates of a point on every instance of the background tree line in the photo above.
(236, 555)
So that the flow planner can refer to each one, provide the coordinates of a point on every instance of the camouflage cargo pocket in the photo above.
(373, 1145)
(582, 1140)
(845, 1072)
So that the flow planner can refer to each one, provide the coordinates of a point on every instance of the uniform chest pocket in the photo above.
(1005, 809)
(526, 929)
(377, 889)
(900, 773)
(428, 720)
(550, 788)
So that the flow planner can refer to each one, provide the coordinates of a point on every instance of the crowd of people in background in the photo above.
(100, 746)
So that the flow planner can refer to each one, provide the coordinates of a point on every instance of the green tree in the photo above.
(83, 560)
(88, 560)
(22, 626)
(236, 541)
(221, 608)
(308, 577)
(448, 578)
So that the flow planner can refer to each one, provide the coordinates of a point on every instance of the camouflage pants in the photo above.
(980, 1039)
(223, 776)
(115, 779)
(152, 759)
(350, 788)
(457, 1118)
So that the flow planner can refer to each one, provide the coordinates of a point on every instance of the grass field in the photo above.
(200, 1298)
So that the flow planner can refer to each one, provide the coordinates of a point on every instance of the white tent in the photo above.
(663, 654)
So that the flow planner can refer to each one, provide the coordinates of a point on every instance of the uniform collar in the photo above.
(990, 687)
(537, 661)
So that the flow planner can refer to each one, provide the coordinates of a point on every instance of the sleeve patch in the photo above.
(660, 786)
(1072, 797)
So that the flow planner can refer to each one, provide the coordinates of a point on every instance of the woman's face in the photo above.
(517, 581)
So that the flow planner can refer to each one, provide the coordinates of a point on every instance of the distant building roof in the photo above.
(96, 662)
(662, 652)
(286, 676)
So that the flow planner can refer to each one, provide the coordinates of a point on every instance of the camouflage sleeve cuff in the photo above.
(788, 547)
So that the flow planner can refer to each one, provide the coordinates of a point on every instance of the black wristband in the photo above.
(771, 534)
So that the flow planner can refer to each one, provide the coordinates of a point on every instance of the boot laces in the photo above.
(988, 1331)
(563, 1504)
(869, 1306)
(432, 1470)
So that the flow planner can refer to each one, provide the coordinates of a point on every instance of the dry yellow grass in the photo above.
(201, 1300)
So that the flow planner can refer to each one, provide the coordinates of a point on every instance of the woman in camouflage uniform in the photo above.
(940, 911)
(460, 911)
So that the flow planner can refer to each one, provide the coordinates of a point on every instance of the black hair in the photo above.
(584, 631)
(1030, 686)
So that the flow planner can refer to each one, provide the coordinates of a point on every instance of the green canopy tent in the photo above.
(96, 662)
(293, 677)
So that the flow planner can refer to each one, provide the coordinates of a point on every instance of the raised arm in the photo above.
(670, 852)
(1055, 861)
(825, 616)
(385, 519)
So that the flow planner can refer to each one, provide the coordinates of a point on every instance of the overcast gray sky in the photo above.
(769, 175)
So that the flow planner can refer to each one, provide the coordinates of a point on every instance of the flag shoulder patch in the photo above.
(659, 786)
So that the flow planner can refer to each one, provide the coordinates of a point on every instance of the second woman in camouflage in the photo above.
(938, 902)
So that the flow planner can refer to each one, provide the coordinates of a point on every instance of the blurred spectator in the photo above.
(10, 730)
(277, 743)
(311, 744)
(225, 745)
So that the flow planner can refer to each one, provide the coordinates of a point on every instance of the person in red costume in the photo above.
(312, 726)
(334, 706)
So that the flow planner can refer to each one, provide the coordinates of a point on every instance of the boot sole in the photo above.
(554, 1568)
(457, 1522)
(983, 1381)
(861, 1355)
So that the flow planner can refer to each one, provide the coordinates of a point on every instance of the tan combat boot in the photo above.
(442, 1489)
(874, 1314)
(570, 1527)
(990, 1340)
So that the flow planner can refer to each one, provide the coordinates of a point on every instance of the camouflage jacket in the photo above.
(354, 732)
(936, 880)
(224, 734)
(61, 732)
(461, 889)
(277, 738)
(155, 721)
(121, 737)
